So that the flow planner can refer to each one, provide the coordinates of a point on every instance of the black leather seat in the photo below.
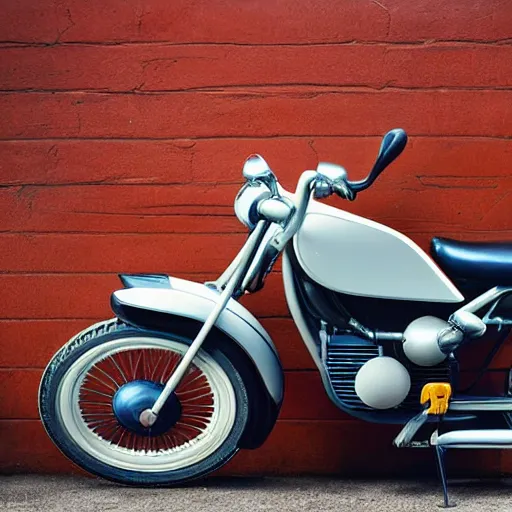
(489, 263)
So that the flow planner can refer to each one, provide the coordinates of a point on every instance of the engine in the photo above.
(363, 377)
(384, 382)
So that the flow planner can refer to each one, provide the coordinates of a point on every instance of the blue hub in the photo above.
(136, 396)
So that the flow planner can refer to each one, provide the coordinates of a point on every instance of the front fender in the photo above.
(154, 305)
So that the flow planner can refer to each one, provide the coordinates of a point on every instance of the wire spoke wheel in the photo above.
(206, 398)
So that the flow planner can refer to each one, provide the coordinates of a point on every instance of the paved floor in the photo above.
(75, 494)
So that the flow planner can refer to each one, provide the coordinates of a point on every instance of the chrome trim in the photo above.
(332, 178)
(256, 169)
(388, 336)
(484, 404)
(274, 210)
(486, 438)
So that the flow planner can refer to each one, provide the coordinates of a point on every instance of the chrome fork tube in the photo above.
(302, 197)
(149, 416)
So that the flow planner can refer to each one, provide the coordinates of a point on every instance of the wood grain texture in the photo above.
(124, 128)
(251, 112)
(435, 160)
(162, 67)
(262, 22)
(425, 205)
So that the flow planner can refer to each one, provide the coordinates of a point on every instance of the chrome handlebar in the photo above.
(328, 179)
(302, 196)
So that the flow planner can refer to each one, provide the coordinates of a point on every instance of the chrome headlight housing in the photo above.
(246, 202)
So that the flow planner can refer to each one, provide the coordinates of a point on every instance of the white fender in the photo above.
(196, 301)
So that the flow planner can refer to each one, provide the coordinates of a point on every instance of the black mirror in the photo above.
(256, 169)
(392, 145)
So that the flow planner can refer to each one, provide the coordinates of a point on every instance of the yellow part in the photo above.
(438, 394)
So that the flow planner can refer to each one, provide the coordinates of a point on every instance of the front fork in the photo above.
(237, 270)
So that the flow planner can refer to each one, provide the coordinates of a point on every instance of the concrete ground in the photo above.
(77, 494)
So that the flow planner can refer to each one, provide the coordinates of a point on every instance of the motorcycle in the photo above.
(184, 376)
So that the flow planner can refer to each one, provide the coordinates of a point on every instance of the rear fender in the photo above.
(157, 301)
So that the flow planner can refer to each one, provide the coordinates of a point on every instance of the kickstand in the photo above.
(440, 455)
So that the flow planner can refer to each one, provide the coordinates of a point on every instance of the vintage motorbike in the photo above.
(185, 376)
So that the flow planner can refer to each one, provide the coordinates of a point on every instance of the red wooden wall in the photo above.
(123, 128)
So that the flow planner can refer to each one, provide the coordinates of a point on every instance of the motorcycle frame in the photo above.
(235, 281)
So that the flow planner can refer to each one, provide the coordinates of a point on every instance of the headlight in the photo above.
(247, 200)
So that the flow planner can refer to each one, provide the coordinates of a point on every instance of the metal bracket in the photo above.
(404, 438)
(497, 320)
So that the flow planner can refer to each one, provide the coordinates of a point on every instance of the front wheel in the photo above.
(93, 389)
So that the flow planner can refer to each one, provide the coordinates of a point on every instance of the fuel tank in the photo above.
(350, 254)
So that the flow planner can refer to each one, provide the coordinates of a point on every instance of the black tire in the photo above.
(115, 330)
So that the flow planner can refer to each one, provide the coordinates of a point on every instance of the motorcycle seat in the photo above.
(489, 263)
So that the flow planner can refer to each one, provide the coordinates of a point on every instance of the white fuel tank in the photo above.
(350, 254)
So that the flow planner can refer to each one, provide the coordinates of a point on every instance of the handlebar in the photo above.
(326, 180)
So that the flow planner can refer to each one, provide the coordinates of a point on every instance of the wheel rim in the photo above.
(206, 395)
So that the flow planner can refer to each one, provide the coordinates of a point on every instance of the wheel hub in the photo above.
(138, 395)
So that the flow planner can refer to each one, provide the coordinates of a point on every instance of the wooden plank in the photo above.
(193, 208)
(250, 112)
(201, 253)
(71, 296)
(407, 203)
(31, 343)
(264, 21)
(435, 161)
(57, 296)
(57, 162)
(348, 448)
(161, 67)
(19, 396)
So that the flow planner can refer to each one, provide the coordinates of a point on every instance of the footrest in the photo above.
(495, 438)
